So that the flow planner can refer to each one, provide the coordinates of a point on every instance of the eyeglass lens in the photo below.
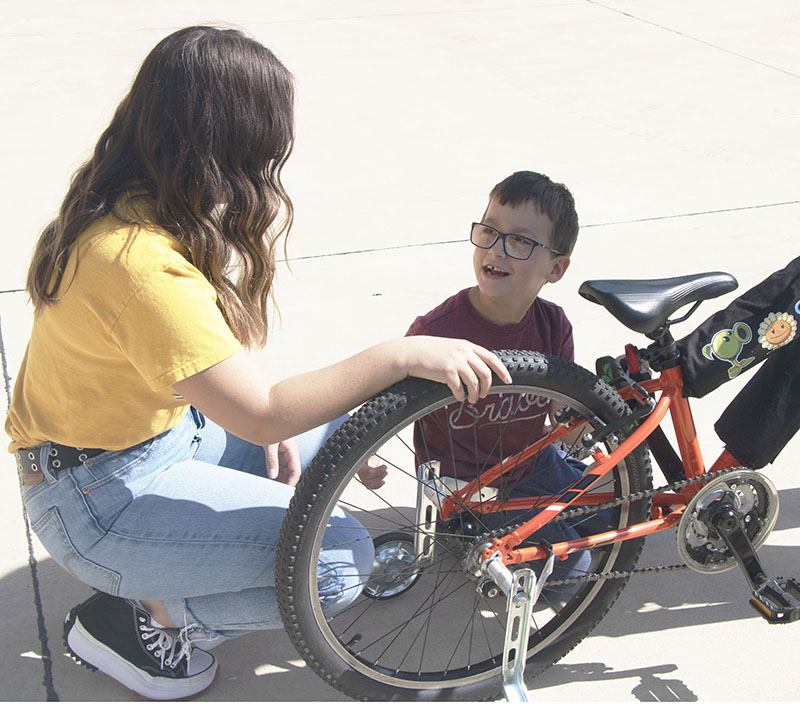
(517, 247)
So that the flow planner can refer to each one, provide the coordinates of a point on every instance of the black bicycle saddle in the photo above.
(645, 305)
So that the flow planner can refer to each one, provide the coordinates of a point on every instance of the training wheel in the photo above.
(700, 547)
(394, 570)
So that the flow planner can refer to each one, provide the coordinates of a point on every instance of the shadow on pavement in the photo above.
(259, 667)
(265, 667)
(651, 686)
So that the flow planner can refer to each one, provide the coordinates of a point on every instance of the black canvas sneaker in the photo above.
(115, 636)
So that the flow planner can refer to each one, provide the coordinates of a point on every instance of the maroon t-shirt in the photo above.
(545, 328)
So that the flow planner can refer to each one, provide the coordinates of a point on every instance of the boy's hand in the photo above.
(283, 462)
(465, 367)
(372, 474)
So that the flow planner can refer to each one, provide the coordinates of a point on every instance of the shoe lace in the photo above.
(170, 649)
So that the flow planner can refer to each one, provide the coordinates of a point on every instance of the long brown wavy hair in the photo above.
(204, 134)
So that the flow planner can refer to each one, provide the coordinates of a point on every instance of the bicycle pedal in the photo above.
(778, 600)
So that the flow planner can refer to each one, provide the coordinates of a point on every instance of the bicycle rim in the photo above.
(441, 630)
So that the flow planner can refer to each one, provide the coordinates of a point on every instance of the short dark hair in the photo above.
(551, 198)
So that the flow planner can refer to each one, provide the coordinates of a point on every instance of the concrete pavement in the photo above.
(674, 124)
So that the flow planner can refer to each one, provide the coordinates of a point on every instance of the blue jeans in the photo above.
(553, 473)
(190, 519)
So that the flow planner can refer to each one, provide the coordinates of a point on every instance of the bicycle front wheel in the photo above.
(422, 624)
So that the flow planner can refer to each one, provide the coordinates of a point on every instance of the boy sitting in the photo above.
(523, 241)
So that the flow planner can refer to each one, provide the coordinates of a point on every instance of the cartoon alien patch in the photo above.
(777, 330)
(727, 344)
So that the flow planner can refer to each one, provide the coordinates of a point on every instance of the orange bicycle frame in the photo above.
(671, 400)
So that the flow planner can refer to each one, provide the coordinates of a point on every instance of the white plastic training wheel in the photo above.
(756, 500)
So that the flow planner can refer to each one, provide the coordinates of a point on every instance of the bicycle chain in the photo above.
(580, 511)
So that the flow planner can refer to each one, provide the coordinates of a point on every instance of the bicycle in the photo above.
(475, 586)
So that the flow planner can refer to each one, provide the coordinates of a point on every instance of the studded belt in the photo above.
(61, 456)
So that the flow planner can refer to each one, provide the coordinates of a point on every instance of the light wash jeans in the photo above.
(190, 519)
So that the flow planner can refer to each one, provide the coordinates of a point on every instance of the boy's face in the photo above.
(508, 286)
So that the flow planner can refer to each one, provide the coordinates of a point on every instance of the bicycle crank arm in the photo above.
(775, 599)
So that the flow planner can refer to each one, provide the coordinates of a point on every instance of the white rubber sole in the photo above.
(89, 650)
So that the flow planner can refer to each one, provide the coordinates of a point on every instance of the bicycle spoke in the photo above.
(430, 616)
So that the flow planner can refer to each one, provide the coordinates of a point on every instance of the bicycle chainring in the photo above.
(756, 503)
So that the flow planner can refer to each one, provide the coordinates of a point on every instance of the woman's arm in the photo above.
(235, 395)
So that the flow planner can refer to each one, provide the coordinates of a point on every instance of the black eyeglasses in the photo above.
(514, 245)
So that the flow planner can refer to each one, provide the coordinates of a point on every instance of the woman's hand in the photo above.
(283, 462)
(465, 367)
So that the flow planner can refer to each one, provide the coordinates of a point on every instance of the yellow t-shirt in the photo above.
(134, 317)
